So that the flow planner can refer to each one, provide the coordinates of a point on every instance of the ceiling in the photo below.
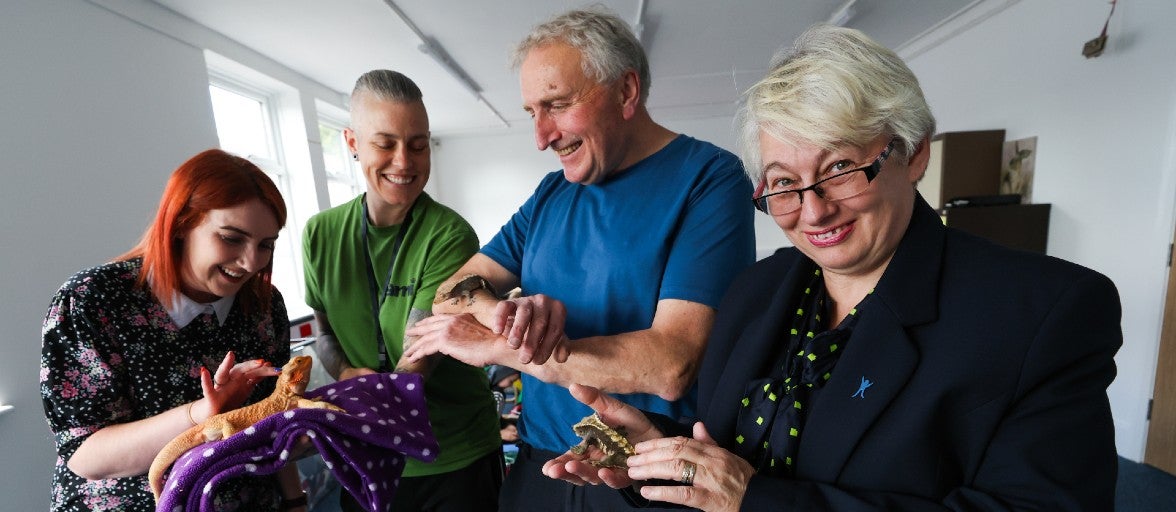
(702, 53)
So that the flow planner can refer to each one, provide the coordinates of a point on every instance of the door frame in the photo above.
(1161, 432)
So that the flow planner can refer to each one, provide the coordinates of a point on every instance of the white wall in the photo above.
(93, 125)
(1106, 160)
(98, 110)
(486, 178)
(1106, 137)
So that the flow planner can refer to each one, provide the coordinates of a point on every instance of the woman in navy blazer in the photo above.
(885, 362)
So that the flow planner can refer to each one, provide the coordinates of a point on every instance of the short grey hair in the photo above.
(387, 85)
(607, 45)
(834, 87)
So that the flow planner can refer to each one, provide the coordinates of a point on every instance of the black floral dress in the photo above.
(111, 354)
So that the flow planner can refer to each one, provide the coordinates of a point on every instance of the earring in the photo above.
(355, 156)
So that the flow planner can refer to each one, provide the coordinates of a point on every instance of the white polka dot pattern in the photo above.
(364, 448)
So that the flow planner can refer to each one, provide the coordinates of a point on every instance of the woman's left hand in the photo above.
(718, 477)
(233, 382)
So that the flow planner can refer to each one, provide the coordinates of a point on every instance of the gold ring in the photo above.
(688, 470)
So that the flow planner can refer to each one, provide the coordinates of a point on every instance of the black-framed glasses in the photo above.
(839, 186)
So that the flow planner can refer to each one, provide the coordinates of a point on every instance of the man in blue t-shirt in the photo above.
(622, 256)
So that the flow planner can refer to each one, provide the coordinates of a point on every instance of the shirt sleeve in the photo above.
(506, 248)
(716, 237)
(310, 264)
(452, 249)
(83, 385)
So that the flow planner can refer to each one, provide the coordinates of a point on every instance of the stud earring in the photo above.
(355, 156)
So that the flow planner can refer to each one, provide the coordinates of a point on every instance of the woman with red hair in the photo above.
(127, 346)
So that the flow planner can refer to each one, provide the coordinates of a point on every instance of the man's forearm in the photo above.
(425, 366)
(662, 360)
(633, 362)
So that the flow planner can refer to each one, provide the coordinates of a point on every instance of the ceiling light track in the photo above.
(433, 49)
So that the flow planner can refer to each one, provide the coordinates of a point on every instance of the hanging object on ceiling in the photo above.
(1094, 47)
(639, 25)
(429, 46)
(843, 14)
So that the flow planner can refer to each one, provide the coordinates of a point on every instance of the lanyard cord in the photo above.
(376, 297)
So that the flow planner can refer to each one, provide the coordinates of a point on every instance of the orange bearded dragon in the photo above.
(286, 396)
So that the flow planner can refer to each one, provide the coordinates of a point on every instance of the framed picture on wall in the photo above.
(1016, 168)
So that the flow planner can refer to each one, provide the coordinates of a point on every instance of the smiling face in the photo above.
(226, 250)
(854, 237)
(580, 120)
(391, 139)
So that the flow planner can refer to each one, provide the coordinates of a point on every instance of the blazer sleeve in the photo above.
(1053, 448)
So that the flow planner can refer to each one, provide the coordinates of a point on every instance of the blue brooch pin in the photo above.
(861, 392)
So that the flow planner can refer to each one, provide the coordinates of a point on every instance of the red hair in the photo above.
(211, 180)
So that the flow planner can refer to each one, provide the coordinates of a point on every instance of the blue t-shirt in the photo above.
(676, 225)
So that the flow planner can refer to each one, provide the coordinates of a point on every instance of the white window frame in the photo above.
(288, 252)
(355, 181)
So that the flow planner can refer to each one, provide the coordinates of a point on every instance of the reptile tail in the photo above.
(187, 440)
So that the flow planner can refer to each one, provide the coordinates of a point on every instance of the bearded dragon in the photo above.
(287, 395)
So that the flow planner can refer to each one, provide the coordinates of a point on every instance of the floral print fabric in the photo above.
(111, 354)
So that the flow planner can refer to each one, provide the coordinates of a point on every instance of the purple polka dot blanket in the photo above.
(365, 448)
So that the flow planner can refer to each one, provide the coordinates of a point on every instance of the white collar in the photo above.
(184, 309)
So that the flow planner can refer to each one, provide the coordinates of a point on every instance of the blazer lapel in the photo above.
(880, 356)
(878, 361)
(754, 351)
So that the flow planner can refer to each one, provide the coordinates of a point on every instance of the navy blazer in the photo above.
(989, 369)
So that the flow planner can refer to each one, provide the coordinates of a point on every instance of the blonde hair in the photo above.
(834, 87)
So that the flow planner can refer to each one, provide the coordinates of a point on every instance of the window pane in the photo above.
(240, 123)
(334, 154)
(287, 277)
(343, 182)
(340, 192)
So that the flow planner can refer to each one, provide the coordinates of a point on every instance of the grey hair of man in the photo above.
(386, 85)
(607, 45)
(835, 87)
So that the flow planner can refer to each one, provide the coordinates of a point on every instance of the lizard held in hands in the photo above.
(287, 395)
(464, 292)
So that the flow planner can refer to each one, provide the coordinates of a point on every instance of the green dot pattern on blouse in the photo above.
(768, 435)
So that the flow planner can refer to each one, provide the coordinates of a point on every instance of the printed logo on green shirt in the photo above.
(397, 290)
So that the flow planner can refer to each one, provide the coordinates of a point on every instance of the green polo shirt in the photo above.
(436, 244)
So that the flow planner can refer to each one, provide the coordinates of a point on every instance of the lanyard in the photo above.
(373, 288)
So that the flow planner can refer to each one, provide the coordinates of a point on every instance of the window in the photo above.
(246, 124)
(344, 180)
(242, 121)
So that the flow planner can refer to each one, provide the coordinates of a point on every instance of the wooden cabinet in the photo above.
(962, 164)
(1019, 226)
(967, 165)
